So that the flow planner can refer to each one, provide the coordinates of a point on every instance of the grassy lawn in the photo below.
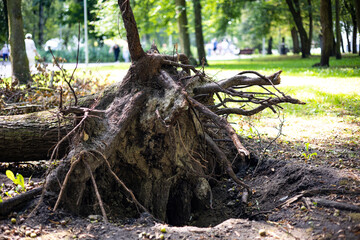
(348, 66)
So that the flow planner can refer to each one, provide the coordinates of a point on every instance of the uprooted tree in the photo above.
(153, 142)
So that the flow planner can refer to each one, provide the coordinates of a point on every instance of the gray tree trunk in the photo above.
(20, 63)
(326, 30)
(183, 27)
(199, 32)
(295, 39)
(338, 30)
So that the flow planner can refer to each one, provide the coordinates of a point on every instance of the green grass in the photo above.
(348, 66)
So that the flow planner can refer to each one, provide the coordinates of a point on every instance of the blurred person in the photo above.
(116, 50)
(30, 50)
(5, 53)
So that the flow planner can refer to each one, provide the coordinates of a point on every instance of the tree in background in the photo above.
(3, 23)
(349, 5)
(337, 29)
(199, 32)
(357, 12)
(20, 63)
(295, 38)
(327, 33)
(295, 9)
(183, 27)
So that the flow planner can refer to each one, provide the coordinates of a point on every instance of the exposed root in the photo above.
(221, 123)
(137, 203)
(227, 164)
(62, 190)
(96, 191)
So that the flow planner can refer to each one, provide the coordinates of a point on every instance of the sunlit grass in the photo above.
(348, 66)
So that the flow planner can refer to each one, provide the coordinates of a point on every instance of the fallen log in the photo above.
(338, 205)
(29, 137)
(15, 203)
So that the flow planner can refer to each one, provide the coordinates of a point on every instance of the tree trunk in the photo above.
(151, 149)
(20, 63)
(269, 49)
(41, 23)
(6, 26)
(347, 31)
(349, 5)
(357, 13)
(199, 33)
(294, 7)
(311, 25)
(338, 30)
(30, 137)
(183, 27)
(295, 39)
(354, 37)
(326, 25)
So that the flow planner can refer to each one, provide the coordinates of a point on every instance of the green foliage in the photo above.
(307, 155)
(18, 180)
(96, 54)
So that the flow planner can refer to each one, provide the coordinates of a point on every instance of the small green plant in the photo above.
(18, 180)
(307, 155)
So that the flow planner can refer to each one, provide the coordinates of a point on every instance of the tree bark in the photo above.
(30, 137)
(357, 13)
(326, 30)
(294, 7)
(269, 49)
(347, 31)
(349, 5)
(311, 25)
(199, 33)
(20, 63)
(338, 30)
(183, 27)
(295, 39)
(41, 23)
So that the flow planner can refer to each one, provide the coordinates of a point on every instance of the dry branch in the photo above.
(13, 204)
(221, 123)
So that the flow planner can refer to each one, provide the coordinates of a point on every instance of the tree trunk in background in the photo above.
(183, 27)
(6, 19)
(326, 30)
(354, 47)
(269, 50)
(294, 7)
(41, 23)
(349, 5)
(310, 25)
(347, 31)
(337, 29)
(20, 63)
(357, 13)
(199, 32)
(295, 39)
